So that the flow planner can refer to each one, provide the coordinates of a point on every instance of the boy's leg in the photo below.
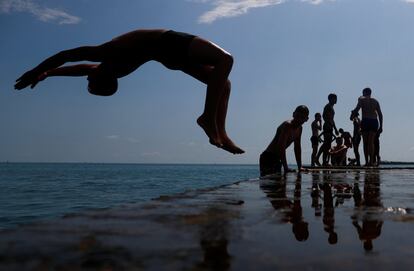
(203, 52)
(365, 143)
(356, 152)
(371, 146)
(228, 144)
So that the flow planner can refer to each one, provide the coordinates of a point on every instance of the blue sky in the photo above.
(286, 53)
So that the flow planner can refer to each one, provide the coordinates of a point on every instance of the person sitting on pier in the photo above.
(338, 153)
(347, 138)
(274, 157)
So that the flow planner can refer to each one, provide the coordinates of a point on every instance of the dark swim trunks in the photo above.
(369, 125)
(270, 163)
(314, 140)
(174, 49)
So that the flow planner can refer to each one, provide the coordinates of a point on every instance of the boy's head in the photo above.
(339, 140)
(301, 114)
(366, 92)
(332, 98)
(318, 116)
(341, 130)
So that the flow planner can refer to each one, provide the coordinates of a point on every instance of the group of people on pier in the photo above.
(369, 128)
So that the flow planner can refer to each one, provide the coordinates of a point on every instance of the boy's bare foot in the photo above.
(210, 130)
(229, 146)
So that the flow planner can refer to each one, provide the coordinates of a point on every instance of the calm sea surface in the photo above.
(34, 191)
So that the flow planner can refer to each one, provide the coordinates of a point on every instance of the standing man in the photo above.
(328, 128)
(316, 127)
(371, 113)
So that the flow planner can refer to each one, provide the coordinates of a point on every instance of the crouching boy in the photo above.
(274, 157)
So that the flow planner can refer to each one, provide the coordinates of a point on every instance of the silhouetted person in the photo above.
(316, 127)
(346, 137)
(274, 157)
(371, 113)
(356, 138)
(328, 128)
(119, 57)
(338, 153)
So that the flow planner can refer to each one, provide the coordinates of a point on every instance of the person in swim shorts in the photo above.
(371, 114)
(316, 127)
(290, 131)
(195, 56)
(328, 128)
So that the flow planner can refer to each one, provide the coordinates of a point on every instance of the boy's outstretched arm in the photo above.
(282, 142)
(298, 151)
(85, 53)
(75, 70)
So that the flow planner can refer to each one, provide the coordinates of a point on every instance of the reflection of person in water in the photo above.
(214, 242)
(371, 202)
(291, 210)
(328, 211)
(315, 194)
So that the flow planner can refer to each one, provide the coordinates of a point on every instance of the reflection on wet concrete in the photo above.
(367, 213)
(320, 221)
(290, 208)
(367, 217)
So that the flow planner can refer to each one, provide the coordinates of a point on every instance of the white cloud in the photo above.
(313, 2)
(42, 13)
(233, 8)
(229, 8)
(409, 1)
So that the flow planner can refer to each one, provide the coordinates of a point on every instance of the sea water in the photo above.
(31, 192)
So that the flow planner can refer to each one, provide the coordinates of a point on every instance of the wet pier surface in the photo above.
(347, 220)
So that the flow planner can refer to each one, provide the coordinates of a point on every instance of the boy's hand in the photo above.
(29, 78)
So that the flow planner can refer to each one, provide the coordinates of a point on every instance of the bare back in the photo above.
(369, 107)
(286, 134)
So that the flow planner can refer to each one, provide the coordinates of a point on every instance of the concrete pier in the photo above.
(278, 224)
